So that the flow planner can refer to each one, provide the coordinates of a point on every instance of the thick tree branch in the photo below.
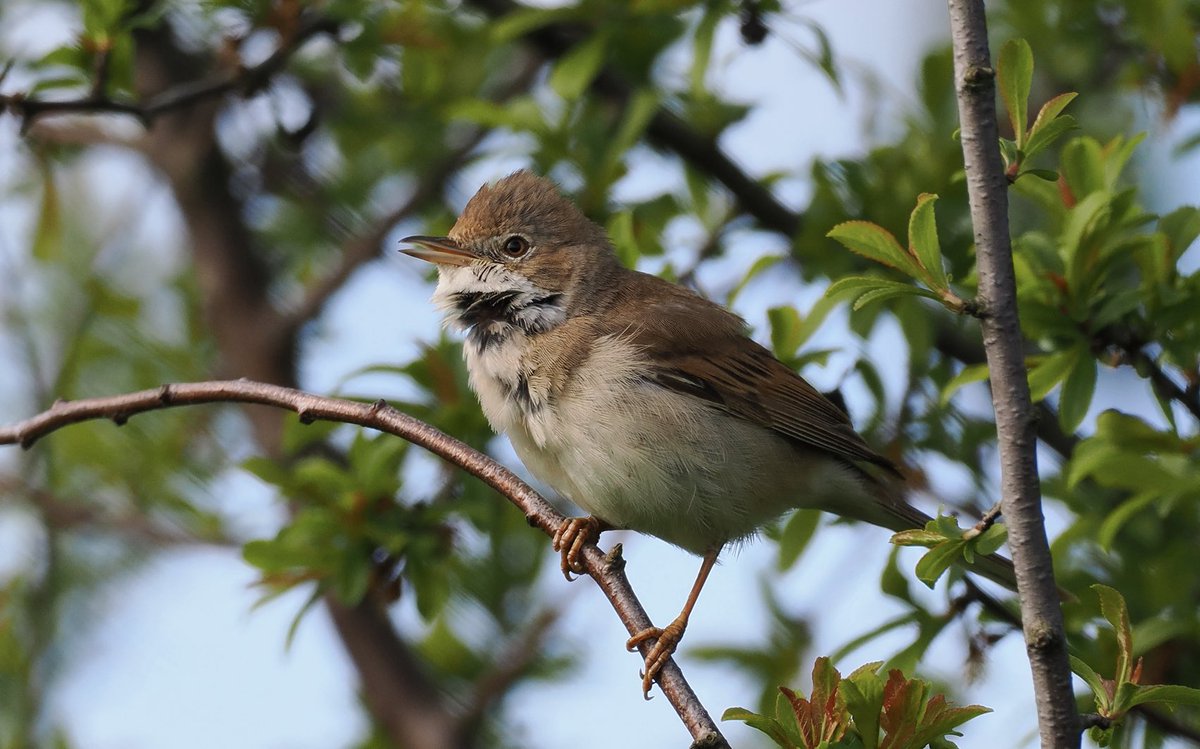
(607, 573)
(987, 190)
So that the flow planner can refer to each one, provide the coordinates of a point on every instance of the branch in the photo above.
(540, 513)
(987, 189)
(76, 515)
(248, 80)
(1132, 350)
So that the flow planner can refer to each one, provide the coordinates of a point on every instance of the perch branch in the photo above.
(540, 513)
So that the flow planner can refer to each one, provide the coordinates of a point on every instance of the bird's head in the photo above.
(520, 255)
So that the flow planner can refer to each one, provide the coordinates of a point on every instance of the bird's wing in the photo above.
(700, 349)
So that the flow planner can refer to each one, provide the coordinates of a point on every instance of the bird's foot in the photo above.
(666, 640)
(570, 539)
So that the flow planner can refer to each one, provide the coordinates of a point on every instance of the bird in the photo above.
(640, 401)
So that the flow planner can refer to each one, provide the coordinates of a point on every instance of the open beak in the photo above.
(438, 250)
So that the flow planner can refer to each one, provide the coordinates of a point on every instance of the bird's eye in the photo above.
(516, 246)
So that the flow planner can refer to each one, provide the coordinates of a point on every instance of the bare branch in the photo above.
(987, 188)
(66, 514)
(608, 574)
(248, 80)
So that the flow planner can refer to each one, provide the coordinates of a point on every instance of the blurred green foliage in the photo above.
(334, 121)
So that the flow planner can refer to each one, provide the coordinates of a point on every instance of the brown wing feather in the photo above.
(702, 350)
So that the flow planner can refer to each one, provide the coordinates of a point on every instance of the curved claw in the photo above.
(571, 537)
(667, 639)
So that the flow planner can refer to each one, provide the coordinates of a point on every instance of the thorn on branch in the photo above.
(305, 415)
(614, 560)
(119, 418)
(165, 396)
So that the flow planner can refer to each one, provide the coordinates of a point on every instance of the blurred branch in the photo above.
(1132, 351)
(75, 515)
(246, 80)
(987, 191)
(401, 695)
(365, 247)
(511, 663)
(607, 573)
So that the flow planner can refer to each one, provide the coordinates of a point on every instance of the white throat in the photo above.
(491, 304)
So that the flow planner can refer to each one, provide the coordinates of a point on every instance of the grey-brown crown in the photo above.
(526, 204)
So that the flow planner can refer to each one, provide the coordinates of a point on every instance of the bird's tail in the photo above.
(895, 513)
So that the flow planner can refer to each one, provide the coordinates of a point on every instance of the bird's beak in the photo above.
(438, 250)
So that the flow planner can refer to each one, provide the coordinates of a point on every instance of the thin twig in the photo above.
(540, 513)
(987, 190)
(248, 80)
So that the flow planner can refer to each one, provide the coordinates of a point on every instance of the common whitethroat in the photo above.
(639, 400)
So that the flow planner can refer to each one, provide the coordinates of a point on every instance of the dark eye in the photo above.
(515, 246)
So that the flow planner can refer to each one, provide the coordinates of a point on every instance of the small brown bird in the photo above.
(640, 401)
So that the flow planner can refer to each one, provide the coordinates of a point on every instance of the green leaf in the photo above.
(1077, 391)
(767, 725)
(800, 528)
(937, 560)
(524, 20)
(1094, 682)
(874, 242)
(923, 242)
(1049, 175)
(969, 374)
(1050, 371)
(1169, 693)
(1042, 138)
(785, 324)
(890, 292)
(702, 48)
(925, 538)
(1082, 166)
(990, 541)
(1112, 606)
(762, 264)
(48, 235)
(1015, 73)
(638, 113)
(574, 73)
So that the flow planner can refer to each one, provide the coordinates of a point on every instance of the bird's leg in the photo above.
(570, 538)
(666, 639)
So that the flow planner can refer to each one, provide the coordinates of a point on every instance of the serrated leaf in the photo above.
(923, 242)
(874, 242)
(937, 560)
(1015, 74)
(575, 71)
